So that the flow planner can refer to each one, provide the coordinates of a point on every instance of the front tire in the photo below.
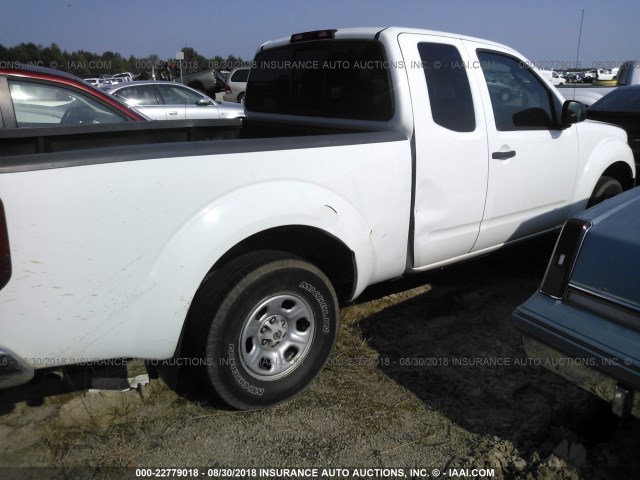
(606, 187)
(262, 328)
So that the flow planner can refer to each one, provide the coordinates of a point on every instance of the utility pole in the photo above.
(579, 39)
(180, 57)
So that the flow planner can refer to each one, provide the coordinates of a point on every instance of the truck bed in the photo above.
(59, 147)
(25, 141)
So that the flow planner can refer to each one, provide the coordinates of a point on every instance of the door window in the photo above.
(448, 87)
(173, 95)
(520, 100)
(138, 95)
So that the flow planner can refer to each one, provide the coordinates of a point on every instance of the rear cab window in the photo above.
(448, 87)
(329, 78)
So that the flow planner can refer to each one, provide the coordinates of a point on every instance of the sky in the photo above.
(544, 31)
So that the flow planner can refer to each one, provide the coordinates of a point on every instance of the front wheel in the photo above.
(262, 328)
(606, 187)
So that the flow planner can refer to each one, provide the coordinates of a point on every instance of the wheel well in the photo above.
(621, 172)
(328, 253)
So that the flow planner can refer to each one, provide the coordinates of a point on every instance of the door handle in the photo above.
(173, 113)
(503, 155)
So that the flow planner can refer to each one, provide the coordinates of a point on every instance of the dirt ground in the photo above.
(428, 373)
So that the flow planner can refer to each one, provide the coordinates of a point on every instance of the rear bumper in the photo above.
(625, 400)
(554, 337)
(13, 369)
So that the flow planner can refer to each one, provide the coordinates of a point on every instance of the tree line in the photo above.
(89, 64)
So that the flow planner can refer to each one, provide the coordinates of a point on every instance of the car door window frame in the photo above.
(7, 114)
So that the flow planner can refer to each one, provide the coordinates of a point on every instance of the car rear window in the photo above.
(335, 79)
(620, 100)
(240, 75)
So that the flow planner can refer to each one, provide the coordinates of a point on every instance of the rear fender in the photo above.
(216, 228)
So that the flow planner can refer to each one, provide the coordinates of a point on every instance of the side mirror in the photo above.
(203, 102)
(572, 112)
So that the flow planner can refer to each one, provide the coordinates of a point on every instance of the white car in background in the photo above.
(553, 77)
(236, 85)
(604, 74)
(161, 100)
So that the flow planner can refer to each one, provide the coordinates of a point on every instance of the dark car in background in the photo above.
(208, 81)
(621, 107)
(584, 322)
(39, 97)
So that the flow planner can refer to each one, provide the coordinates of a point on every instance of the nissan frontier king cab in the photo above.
(366, 154)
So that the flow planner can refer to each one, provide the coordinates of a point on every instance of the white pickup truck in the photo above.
(367, 154)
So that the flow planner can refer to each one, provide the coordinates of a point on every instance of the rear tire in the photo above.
(262, 327)
(606, 187)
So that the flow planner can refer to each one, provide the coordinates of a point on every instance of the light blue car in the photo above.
(584, 322)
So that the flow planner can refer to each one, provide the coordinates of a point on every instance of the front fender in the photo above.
(602, 145)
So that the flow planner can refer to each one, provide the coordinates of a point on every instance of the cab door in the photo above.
(532, 161)
(183, 103)
(175, 103)
(450, 159)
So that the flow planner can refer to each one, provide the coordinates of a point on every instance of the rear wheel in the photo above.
(605, 188)
(262, 328)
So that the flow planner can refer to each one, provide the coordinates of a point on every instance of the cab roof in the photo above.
(371, 33)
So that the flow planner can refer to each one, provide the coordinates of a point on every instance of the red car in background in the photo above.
(42, 97)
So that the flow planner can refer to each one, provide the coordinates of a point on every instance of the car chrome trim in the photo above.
(563, 260)
(607, 306)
